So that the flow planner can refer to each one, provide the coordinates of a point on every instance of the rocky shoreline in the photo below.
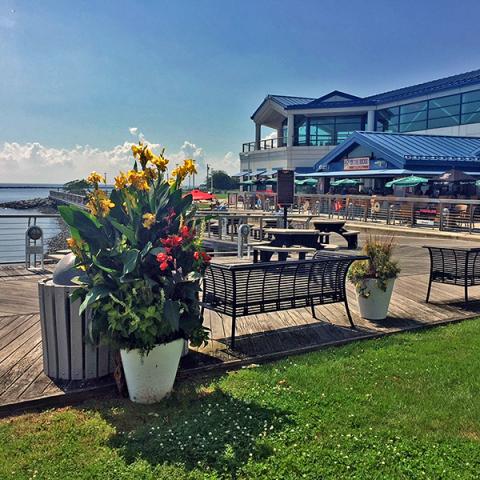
(40, 203)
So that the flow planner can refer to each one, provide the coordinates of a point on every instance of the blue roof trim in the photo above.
(400, 147)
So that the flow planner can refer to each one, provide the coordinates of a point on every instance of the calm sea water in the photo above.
(12, 229)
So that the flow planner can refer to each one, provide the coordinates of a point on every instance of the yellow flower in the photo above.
(105, 206)
(138, 180)
(74, 245)
(99, 204)
(95, 178)
(121, 181)
(150, 174)
(137, 150)
(160, 162)
(189, 166)
(149, 220)
(172, 181)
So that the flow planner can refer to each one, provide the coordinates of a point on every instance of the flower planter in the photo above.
(150, 377)
(375, 306)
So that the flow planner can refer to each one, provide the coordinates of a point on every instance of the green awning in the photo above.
(411, 181)
(270, 181)
(345, 182)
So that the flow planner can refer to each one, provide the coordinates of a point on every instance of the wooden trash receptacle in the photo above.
(66, 353)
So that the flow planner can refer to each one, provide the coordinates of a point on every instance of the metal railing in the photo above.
(12, 234)
(266, 144)
(66, 197)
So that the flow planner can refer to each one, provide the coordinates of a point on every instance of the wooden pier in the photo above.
(260, 338)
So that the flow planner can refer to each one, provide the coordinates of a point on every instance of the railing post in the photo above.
(470, 218)
(412, 215)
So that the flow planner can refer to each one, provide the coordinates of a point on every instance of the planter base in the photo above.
(150, 377)
(375, 306)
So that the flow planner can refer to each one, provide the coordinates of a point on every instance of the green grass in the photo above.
(402, 407)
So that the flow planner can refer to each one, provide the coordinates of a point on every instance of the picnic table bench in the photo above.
(454, 266)
(267, 251)
(248, 289)
(338, 226)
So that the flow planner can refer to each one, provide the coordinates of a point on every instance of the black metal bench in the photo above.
(249, 289)
(454, 266)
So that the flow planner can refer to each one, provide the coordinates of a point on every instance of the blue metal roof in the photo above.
(441, 84)
(399, 147)
(434, 86)
(284, 101)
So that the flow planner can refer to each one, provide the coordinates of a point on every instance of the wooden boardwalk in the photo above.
(259, 337)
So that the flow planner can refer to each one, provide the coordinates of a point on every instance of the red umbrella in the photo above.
(199, 195)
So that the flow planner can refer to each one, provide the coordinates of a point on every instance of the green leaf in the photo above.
(171, 313)
(146, 249)
(129, 260)
(96, 293)
(125, 230)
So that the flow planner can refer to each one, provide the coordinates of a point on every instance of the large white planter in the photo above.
(375, 306)
(150, 377)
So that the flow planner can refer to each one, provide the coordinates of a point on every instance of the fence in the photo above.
(12, 233)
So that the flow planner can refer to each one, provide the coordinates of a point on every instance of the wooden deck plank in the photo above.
(258, 336)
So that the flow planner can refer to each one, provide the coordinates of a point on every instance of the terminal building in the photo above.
(423, 129)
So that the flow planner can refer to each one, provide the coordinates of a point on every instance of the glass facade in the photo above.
(436, 113)
(320, 131)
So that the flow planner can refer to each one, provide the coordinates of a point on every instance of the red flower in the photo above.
(185, 231)
(201, 256)
(206, 258)
(163, 266)
(172, 241)
(163, 259)
(196, 255)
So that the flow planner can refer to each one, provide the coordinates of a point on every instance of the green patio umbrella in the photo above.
(310, 181)
(299, 182)
(411, 181)
(344, 182)
(247, 182)
(270, 181)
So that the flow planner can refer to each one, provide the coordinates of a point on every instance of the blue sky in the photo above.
(81, 73)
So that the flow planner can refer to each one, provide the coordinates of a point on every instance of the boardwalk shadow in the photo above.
(210, 431)
(289, 339)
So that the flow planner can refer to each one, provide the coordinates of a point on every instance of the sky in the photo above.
(76, 77)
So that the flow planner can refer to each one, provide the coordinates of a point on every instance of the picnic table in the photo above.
(287, 237)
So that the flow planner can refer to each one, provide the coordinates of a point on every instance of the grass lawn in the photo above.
(402, 407)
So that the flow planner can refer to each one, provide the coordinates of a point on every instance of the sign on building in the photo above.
(356, 163)
(285, 187)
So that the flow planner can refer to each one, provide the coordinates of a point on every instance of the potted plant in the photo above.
(374, 278)
(140, 250)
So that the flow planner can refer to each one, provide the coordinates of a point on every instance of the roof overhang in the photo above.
(269, 113)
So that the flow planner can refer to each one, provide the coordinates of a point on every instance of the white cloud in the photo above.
(36, 163)
(133, 130)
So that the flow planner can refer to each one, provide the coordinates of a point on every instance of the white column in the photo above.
(290, 130)
(258, 135)
(279, 136)
(370, 121)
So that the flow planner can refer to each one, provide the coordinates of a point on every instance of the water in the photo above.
(12, 230)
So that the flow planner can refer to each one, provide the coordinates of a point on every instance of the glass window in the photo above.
(443, 122)
(471, 118)
(471, 107)
(322, 131)
(471, 96)
(444, 101)
(444, 111)
(301, 131)
(413, 107)
(413, 117)
(413, 126)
